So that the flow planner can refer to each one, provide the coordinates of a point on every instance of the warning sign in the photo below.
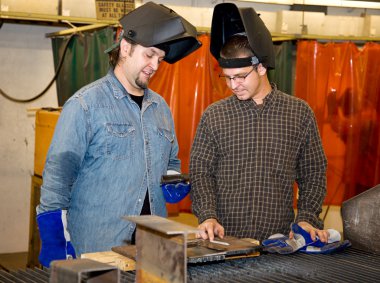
(113, 9)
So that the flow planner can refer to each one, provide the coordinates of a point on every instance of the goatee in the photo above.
(141, 84)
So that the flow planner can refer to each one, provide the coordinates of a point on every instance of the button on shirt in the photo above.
(105, 156)
(245, 159)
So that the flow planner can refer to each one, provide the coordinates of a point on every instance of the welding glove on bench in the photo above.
(303, 242)
(55, 240)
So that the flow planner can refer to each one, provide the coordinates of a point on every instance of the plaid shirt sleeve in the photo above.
(311, 175)
(203, 160)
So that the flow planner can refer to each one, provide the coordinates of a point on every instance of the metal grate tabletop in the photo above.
(352, 265)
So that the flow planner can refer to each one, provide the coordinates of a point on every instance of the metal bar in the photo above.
(11, 277)
(76, 30)
(161, 246)
(41, 272)
(79, 270)
(162, 225)
(4, 277)
(33, 277)
(159, 258)
(21, 275)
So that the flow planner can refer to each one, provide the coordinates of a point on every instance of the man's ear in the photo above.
(261, 70)
(124, 47)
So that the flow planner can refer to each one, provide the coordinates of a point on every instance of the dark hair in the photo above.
(236, 46)
(114, 55)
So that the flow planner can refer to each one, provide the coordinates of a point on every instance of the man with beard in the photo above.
(114, 140)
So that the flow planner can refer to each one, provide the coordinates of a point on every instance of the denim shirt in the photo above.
(104, 156)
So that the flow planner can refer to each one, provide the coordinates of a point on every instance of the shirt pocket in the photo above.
(120, 140)
(166, 139)
(282, 161)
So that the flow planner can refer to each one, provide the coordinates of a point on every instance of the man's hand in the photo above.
(323, 235)
(209, 229)
(300, 239)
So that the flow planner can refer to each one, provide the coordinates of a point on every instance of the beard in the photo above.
(141, 83)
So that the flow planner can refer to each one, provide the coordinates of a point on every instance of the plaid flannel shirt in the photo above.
(245, 159)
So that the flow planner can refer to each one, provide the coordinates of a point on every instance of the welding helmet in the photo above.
(228, 20)
(155, 25)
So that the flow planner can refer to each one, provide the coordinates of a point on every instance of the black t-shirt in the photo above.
(146, 206)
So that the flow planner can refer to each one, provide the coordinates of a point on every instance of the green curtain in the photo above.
(84, 61)
(283, 75)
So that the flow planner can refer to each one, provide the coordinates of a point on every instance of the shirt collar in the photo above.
(268, 100)
(119, 91)
(271, 96)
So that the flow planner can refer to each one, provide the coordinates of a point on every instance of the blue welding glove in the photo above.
(174, 193)
(55, 240)
(327, 248)
(281, 244)
(334, 243)
(302, 241)
(175, 187)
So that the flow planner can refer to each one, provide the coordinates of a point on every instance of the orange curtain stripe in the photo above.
(341, 83)
(189, 86)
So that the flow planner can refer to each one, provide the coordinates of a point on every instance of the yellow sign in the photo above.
(113, 9)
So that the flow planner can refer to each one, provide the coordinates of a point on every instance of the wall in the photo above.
(26, 68)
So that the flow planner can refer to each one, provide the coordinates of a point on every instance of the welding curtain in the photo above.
(341, 82)
(193, 83)
(84, 60)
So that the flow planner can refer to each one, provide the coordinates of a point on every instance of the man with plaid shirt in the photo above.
(251, 147)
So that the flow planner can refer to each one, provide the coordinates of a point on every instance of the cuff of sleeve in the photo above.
(310, 218)
(207, 215)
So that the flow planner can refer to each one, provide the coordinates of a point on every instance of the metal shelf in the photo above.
(85, 24)
(47, 18)
(283, 37)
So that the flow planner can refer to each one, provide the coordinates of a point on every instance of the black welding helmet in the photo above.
(228, 20)
(155, 25)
